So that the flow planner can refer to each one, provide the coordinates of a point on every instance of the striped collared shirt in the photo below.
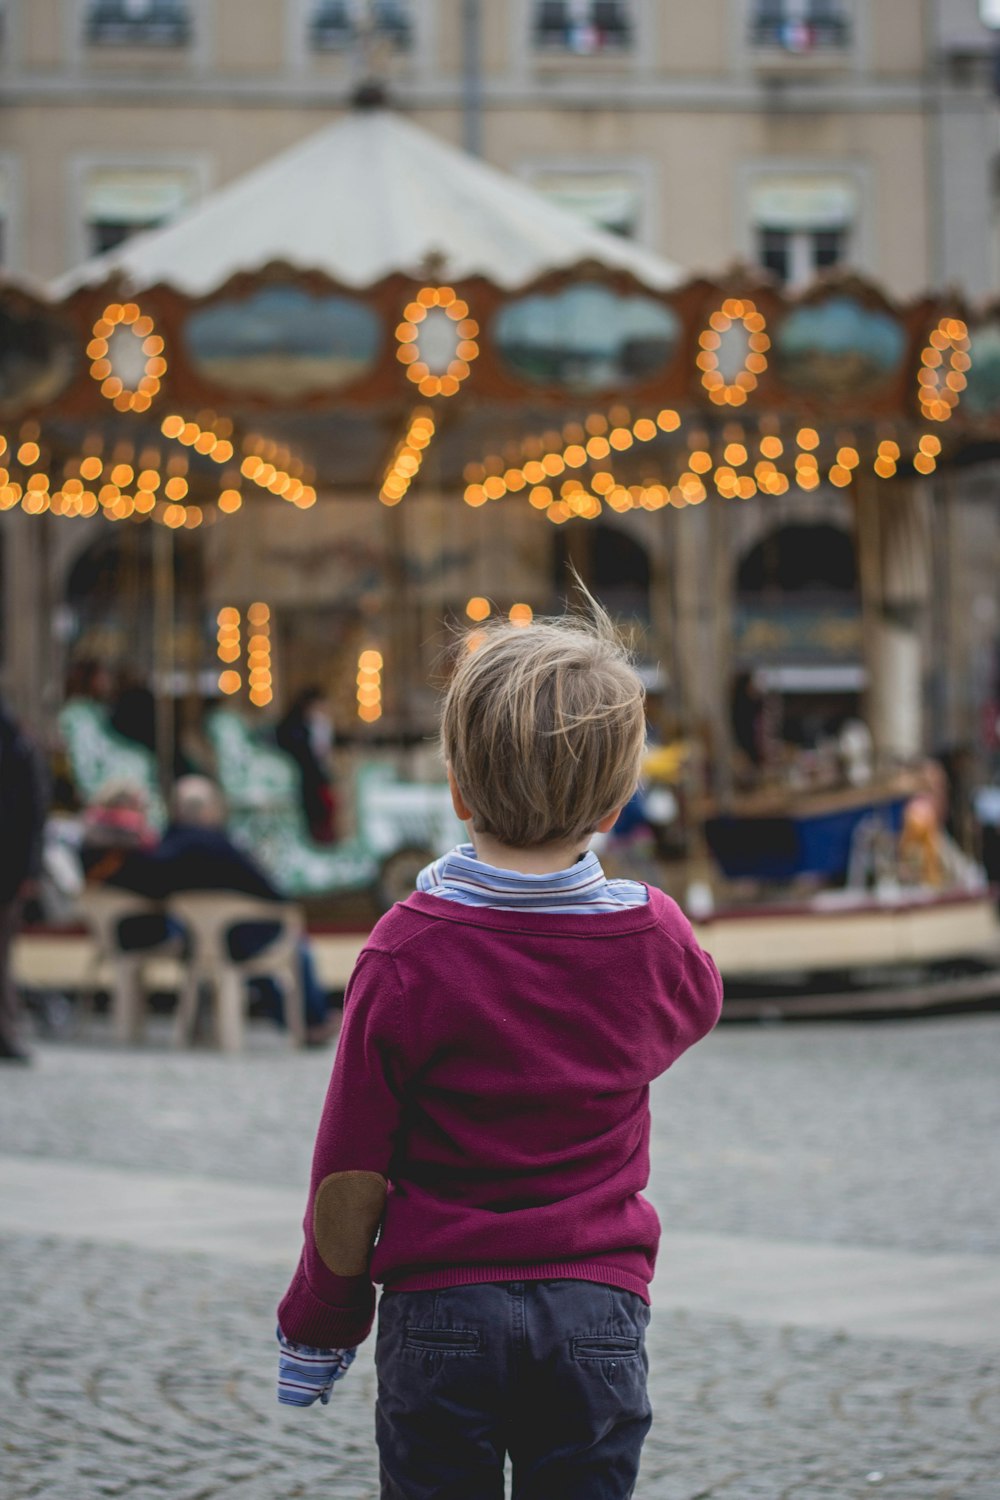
(583, 888)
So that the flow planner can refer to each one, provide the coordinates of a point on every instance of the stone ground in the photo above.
(821, 1186)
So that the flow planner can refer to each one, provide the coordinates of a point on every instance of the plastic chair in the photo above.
(104, 908)
(208, 917)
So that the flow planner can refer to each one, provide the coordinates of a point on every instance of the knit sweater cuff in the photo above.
(306, 1318)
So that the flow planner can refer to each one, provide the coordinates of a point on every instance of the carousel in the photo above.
(375, 389)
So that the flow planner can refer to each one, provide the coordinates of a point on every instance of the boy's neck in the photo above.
(545, 860)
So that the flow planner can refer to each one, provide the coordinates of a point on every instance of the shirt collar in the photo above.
(585, 878)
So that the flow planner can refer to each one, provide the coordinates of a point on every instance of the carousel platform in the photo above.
(845, 952)
(62, 959)
(840, 953)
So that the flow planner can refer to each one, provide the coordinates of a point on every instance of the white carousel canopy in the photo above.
(360, 199)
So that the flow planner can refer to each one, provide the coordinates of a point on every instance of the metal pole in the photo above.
(722, 622)
(163, 651)
(472, 92)
(868, 542)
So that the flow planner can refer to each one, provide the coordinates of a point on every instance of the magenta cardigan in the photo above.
(494, 1067)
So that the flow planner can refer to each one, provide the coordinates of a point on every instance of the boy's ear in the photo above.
(463, 811)
(609, 820)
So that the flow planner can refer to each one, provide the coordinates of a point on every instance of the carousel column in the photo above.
(400, 618)
(163, 652)
(721, 596)
(893, 544)
(662, 539)
(946, 604)
(700, 573)
(26, 619)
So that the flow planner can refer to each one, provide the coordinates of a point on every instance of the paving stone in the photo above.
(149, 1376)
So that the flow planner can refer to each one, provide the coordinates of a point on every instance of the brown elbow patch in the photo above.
(346, 1215)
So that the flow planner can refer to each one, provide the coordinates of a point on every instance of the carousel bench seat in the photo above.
(261, 787)
(98, 755)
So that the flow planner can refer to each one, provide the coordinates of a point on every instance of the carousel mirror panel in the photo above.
(838, 348)
(39, 357)
(586, 338)
(982, 394)
(284, 342)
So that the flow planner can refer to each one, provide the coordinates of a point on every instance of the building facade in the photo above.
(800, 135)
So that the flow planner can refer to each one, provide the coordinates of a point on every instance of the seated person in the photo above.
(116, 822)
(196, 854)
(115, 828)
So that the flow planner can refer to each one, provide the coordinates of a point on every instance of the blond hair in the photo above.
(544, 728)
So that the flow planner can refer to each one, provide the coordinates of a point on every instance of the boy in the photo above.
(488, 1115)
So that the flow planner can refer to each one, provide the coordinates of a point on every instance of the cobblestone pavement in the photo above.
(141, 1374)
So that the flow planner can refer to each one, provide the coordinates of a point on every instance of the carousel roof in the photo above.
(370, 195)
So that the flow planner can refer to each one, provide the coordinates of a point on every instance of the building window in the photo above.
(583, 26)
(121, 203)
(338, 24)
(795, 256)
(143, 23)
(800, 25)
(802, 226)
(608, 200)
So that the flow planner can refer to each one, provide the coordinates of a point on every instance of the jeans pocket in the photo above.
(614, 1357)
(443, 1340)
(606, 1346)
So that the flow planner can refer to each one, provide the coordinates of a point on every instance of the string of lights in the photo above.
(407, 458)
(229, 649)
(369, 685)
(725, 465)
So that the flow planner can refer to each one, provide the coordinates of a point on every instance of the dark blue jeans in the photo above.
(551, 1372)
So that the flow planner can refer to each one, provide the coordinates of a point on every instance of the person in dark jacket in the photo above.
(197, 854)
(24, 803)
(133, 711)
(306, 734)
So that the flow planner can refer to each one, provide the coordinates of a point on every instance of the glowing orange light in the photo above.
(126, 318)
(408, 334)
(733, 393)
(944, 361)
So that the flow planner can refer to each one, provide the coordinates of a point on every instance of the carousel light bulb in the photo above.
(477, 608)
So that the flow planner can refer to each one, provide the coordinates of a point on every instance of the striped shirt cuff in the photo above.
(306, 1375)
